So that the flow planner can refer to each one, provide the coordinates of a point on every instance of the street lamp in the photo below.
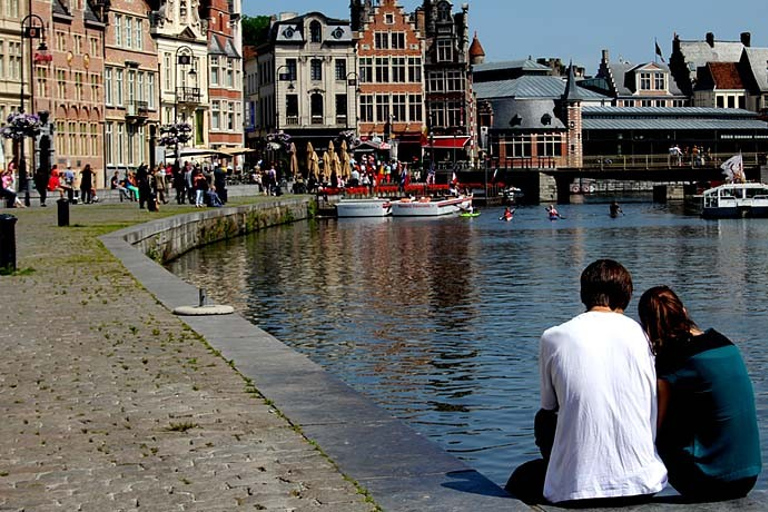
(290, 75)
(184, 56)
(32, 27)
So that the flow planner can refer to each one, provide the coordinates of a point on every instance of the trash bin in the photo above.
(63, 212)
(8, 242)
(152, 202)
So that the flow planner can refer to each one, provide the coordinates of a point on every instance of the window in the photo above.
(119, 87)
(382, 108)
(453, 81)
(128, 32)
(437, 113)
(316, 69)
(381, 40)
(138, 41)
(230, 73)
(389, 19)
(95, 88)
(94, 139)
(107, 85)
(399, 69)
(151, 90)
(167, 71)
(455, 117)
(415, 107)
(341, 69)
(436, 82)
(521, 146)
(2, 61)
(399, 102)
(231, 116)
(731, 102)
(366, 108)
(316, 108)
(292, 109)
(140, 86)
(444, 50)
(291, 65)
(645, 81)
(316, 32)
(398, 40)
(341, 109)
(549, 145)
(366, 69)
(214, 71)
(382, 70)
(414, 69)
(659, 82)
(78, 86)
(118, 30)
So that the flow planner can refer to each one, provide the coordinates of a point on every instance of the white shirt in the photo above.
(597, 369)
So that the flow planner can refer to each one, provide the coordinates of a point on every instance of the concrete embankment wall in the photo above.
(166, 239)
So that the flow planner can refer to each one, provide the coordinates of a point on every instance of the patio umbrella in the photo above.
(294, 162)
(313, 167)
(345, 169)
(330, 162)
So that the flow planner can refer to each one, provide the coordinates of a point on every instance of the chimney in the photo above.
(746, 39)
(605, 56)
(711, 39)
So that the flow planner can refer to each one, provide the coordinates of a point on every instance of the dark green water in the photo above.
(438, 320)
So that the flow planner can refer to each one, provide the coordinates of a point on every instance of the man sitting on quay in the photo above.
(597, 422)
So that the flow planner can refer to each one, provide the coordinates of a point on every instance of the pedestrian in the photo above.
(160, 184)
(597, 421)
(86, 184)
(41, 184)
(68, 183)
(708, 435)
(220, 182)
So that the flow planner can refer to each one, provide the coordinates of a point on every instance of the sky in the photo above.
(579, 30)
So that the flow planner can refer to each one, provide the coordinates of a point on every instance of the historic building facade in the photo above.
(11, 69)
(389, 78)
(304, 88)
(130, 87)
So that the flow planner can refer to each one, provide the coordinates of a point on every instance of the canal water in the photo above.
(438, 320)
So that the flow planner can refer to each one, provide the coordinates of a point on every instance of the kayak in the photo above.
(469, 214)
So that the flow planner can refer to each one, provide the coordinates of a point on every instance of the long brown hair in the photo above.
(664, 318)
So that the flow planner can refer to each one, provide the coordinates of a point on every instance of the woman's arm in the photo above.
(664, 390)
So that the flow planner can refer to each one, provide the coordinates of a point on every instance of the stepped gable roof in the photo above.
(476, 49)
(529, 86)
(757, 59)
(525, 114)
(725, 75)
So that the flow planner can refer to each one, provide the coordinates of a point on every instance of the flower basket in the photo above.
(386, 189)
(20, 125)
(174, 134)
(362, 191)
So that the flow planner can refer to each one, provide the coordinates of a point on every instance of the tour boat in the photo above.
(374, 207)
(430, 206)
(735, 200)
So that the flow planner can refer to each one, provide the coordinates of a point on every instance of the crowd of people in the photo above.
(627, 408)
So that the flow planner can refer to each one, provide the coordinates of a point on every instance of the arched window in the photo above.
(315, 32)
(443, 11)
(317, 108)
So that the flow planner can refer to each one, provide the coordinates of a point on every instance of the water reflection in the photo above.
(438, 320)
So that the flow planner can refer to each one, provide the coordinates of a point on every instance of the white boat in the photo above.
(375, 207)
(430, 206)
(735, 200)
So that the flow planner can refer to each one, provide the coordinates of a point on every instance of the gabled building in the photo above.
(448, 78)
(389, 78)
(754, 72)
(12, 70)
(130, 87)
(181, 37)
(225, 72)
(648, 84)
(304, 87)
(719, 85)
(250, 96)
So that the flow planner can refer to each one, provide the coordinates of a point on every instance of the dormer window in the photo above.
(288, 33)
(315, 32)
(338, 33)
(546, 119)
(653, 81)
(444, 11)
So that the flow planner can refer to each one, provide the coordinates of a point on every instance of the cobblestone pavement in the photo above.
(109, 403)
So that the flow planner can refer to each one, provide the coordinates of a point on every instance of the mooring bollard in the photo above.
(8, 242)
(63, 212)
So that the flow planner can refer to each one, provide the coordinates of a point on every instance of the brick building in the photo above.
(390, 82)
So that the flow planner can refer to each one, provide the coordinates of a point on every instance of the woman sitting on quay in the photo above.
(708, 435)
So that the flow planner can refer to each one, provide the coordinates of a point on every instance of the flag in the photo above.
(658, 50)
(454, 178)
(733, 168)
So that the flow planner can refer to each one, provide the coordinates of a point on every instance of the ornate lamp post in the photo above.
(21, 125)
(184, 55)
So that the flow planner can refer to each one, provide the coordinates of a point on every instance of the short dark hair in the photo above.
(606, 283)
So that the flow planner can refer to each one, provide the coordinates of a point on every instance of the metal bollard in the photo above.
(201, 297)
(8, 242)
(63, 212)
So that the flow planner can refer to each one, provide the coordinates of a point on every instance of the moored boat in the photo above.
(374, 207)
(430, 206)
(735, 200)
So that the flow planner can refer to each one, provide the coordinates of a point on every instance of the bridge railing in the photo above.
(666, 160)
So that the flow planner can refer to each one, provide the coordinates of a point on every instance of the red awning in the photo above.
(446, 142)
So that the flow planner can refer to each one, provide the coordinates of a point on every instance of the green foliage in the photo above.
(255, 30)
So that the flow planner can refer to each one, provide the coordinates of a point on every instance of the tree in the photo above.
(255, 30)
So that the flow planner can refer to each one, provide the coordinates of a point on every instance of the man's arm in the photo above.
(545, 422)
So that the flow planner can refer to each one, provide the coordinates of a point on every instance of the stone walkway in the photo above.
(109, 403)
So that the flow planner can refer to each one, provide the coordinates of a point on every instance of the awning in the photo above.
(446, 142)
(382, 146)
(236, 151)
(194, 152)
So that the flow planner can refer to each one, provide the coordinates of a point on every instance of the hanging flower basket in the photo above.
(175, 133)
(20, 125)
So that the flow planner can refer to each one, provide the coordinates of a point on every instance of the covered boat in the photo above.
(735, 200)
(374, 207)
(430, 206)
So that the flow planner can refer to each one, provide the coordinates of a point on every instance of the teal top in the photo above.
(710, 429)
